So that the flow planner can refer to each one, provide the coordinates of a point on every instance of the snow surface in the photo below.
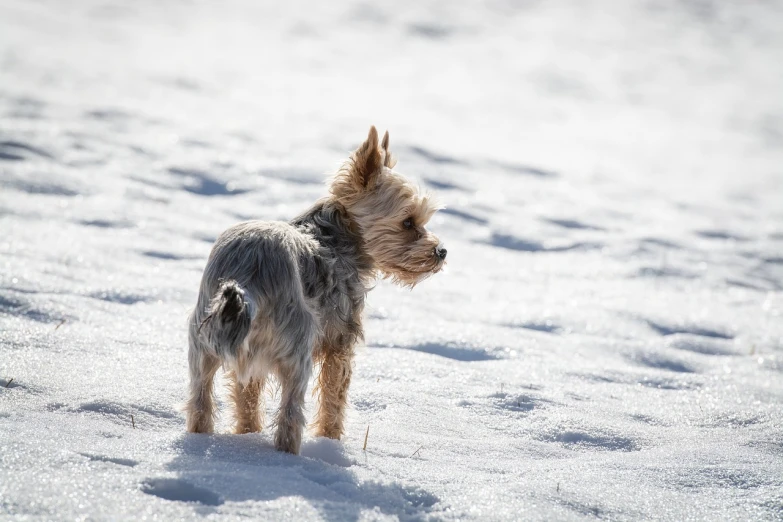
(606, 343)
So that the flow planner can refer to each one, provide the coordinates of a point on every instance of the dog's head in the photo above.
(390, 212)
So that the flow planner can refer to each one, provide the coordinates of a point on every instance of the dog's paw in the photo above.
(288, 439)
(241, 429)
(200, 424)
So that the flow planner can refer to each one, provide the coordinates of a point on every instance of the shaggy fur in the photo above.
(279, 297)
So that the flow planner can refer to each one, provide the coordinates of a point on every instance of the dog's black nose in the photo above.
(440, 252)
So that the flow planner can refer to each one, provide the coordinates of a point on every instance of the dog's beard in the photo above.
(410, 274)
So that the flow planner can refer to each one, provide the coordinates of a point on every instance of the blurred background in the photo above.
(636, 119)
(646, 89)
(641, 141)
(609, 320)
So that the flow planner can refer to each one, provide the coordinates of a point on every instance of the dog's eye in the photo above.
(408, 223)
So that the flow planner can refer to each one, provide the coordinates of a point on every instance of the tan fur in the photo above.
(248, 401)
(379, 200)
(332, 386)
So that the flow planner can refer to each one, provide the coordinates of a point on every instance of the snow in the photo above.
(606, 342)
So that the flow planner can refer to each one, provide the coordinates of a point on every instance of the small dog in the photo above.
(279, 297)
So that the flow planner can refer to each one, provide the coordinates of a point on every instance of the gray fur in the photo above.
(285, 272)
(228, 321)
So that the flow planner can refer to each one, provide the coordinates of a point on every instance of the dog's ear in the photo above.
(388, 160)
(367, 160)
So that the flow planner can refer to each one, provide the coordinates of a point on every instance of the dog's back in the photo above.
(252, 269)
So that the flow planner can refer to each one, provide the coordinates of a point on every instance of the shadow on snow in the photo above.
(213, 469)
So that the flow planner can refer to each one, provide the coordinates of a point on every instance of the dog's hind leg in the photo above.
(248, 404)
(290, 417)
(292, 354)
(332, 384)
(200, 408)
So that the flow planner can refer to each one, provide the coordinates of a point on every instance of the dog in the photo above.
(281, 297)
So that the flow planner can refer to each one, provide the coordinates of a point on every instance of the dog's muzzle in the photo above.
(440, 252)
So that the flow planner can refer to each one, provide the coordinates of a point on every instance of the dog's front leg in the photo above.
(333, 382)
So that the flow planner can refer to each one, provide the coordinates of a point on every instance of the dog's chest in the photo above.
(343, 297)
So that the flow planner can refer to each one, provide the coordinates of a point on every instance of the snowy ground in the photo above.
(607, 341)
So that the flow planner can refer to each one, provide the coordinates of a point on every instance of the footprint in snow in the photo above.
(179, 490)
(20, 151)
(721, 235)
(113, 460)
(579, 439)
(671, 329)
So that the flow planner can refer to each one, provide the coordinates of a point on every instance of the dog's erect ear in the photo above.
(367, 160)
(388, 160)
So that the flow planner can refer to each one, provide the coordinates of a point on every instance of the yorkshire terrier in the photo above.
(280, 297)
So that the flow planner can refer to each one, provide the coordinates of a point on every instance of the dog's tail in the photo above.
(228, 321)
